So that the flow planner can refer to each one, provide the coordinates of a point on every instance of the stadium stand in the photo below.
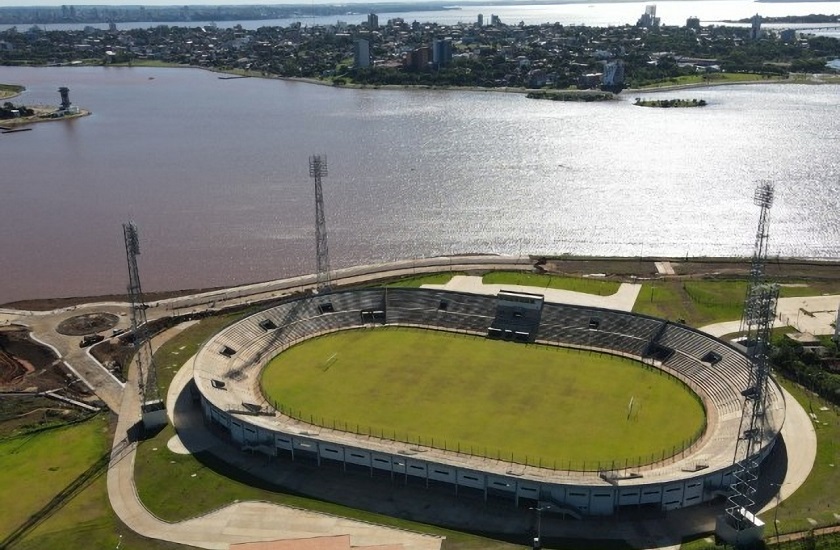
(228, 365)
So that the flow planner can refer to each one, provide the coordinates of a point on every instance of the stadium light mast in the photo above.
(738, 525)
(152, 408)
(317, 171)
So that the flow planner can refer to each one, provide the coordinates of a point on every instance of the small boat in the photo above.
(13, 130)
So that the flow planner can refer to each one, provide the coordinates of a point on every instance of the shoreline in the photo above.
(584, 265)
(39, 117)
(794, 78)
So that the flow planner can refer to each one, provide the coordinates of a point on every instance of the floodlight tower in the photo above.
(763, 197)
(317, 171)
(151, 405)
(756, 323)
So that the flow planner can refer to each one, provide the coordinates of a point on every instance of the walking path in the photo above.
(812, 314)
(622, 300)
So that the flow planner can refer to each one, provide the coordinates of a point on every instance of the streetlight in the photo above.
(538, 539)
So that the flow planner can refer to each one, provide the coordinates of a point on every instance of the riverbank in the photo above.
(42, 114)
(8, 91)
(796, 78)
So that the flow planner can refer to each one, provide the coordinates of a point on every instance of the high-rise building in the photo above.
(693, 23)
(755, 28)
(373, 22)
(479, 22)
(417, 59)
(648, 19)
(361, 53)
(442, 53)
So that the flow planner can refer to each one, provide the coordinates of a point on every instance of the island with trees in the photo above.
(670, 103)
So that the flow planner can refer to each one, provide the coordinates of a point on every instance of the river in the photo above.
(215, 174)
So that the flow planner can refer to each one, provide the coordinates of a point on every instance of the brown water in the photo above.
(215, 174)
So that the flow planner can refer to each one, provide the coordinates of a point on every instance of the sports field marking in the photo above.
(492, 398)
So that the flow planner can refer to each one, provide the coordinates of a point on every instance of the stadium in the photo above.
(228, 368)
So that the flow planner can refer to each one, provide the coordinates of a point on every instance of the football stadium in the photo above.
(277, 383)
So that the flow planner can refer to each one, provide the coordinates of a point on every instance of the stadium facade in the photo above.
(227, 369)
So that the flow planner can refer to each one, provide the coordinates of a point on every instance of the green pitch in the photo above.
(527, 403)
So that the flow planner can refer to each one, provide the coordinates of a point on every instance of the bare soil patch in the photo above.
(25, 363)
(88, 323)
(28, 368)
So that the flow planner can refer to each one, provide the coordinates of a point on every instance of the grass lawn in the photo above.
(808, 288)
(698, 303)
(819, 497)
(416, 281)
(577, 284)
(709, 79)
(703, 302)
(37, 466)
(549, 406)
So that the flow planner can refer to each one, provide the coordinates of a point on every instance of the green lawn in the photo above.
(577, 284)
(708, 79)
(36, 467)
(536, 404)
(819, 497)
(416, 281)
(703, 302)
(698, 303)
(808, 288)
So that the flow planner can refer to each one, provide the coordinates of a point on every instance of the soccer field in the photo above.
(525, 403)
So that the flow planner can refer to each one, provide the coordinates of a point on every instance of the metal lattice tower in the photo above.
(149, 391)
(763, 197)
(756, 323)
(317, 171)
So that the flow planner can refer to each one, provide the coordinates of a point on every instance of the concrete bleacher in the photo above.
(719, 382)
(244, 344)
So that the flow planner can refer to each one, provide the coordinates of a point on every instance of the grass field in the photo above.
(416, 281)
(537, 404)
(701, 302)
(34, 472)
(819, 497)
(709, 79)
